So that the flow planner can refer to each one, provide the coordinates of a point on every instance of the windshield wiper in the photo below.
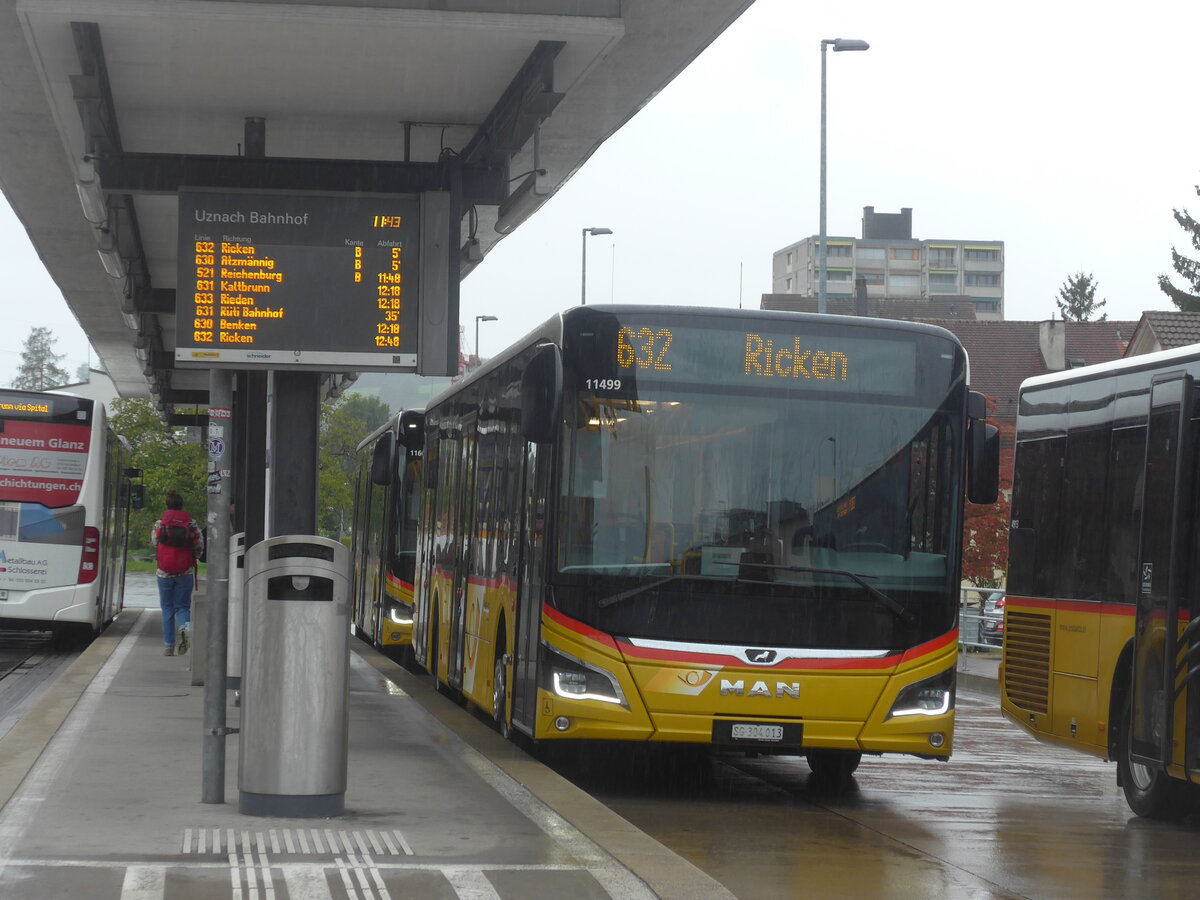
(901, 611)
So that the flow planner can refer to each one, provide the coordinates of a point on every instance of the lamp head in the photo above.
(598, 230)
(843, 44)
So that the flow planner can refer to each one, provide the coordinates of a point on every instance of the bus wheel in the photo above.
(833, 767)
(1150, 793)
(404, 656)
(433, 660)
(500, 689)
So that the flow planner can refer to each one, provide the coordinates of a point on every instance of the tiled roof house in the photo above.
(1164, 331)
(1003, 354)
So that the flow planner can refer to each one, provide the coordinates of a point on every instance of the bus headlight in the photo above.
(930, 697)
(573, 679)
(400, 613)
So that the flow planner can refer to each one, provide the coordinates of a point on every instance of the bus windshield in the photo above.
(737, 514)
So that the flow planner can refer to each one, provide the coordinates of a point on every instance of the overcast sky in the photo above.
(1067, 130)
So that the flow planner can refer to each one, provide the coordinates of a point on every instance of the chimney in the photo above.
(860, 296)
(1052, 341)
(887, 226)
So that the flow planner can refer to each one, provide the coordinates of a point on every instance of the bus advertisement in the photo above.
(64, 501)
(1103, 606)
(722, 527)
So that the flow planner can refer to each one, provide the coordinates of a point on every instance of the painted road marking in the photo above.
(472, 885)
(144, 883)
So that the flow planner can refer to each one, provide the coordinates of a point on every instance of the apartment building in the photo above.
(896, 266)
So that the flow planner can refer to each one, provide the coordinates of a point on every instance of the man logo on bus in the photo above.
(762, 657)
(760, 689)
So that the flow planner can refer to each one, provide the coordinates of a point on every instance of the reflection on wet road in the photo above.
(1006, 817)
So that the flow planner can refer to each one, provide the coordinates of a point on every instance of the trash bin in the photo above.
(237, 611)
(295, 678)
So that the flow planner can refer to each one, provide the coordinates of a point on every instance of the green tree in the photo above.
(1188, 269)
(1077, 299)
(168, 462)
(39, 369)
(344, 423)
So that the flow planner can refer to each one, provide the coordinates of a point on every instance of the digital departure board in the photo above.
(309, 281)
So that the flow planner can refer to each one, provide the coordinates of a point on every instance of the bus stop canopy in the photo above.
(125, 101)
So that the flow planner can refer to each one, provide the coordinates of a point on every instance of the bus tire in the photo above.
(404, 656)
(1151, 793)
(833, 767)
(438, 685)
(500, 686)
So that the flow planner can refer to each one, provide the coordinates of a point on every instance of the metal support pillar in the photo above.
(454, 180)
(241, 430)
(220, 492)
(295, 433)
(254, 485)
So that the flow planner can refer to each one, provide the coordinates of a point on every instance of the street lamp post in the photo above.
(839, 45)
(479, 319)
(583, 287)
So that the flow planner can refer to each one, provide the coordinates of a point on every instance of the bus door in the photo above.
(1166, 527)
(463, 545)
(535, 488)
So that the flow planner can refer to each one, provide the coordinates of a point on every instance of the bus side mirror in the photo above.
(137, 496)
(541, 396)
(983, 465)
(381, 460)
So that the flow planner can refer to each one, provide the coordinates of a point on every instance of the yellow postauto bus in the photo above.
(385, 534)
(1100, 649)
(705, 526)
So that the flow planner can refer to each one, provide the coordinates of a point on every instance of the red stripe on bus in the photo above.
(396, 582)
(692, 657)
(1081, 606)
(578, 627)
(492, 583)
(938, 643)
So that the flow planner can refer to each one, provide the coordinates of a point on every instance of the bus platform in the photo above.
(101, 786)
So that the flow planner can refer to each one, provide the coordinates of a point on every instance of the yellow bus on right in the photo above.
(1102, 619)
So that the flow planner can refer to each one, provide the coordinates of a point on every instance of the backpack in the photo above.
(173, 557)
(174, 536)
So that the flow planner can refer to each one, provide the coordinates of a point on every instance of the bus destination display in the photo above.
(665, 351)
(313, 281)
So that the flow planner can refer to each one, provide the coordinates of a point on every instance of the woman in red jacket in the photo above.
(178, 543)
